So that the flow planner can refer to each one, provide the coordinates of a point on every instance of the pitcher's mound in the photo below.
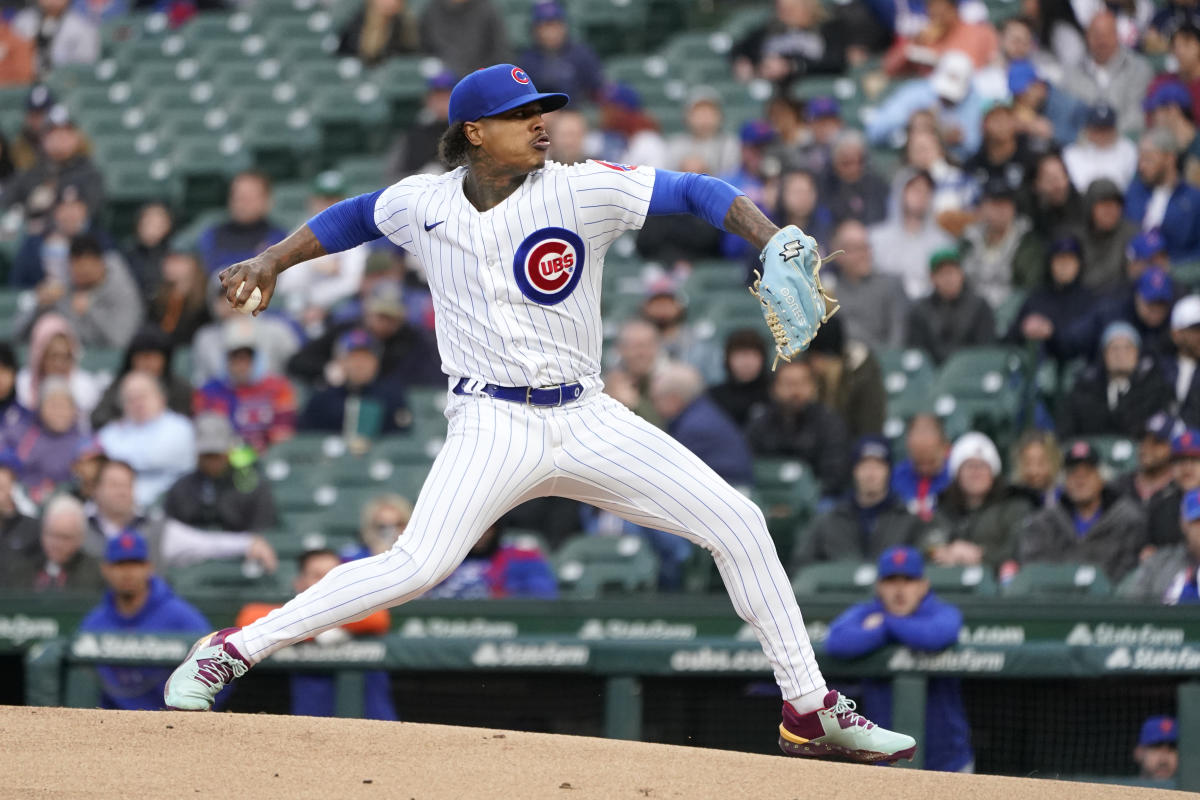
(69, 753)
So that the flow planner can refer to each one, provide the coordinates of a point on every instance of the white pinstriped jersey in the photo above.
(516, 288)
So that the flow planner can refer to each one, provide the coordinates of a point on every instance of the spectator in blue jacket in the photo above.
(248, 231)
(558, 61)
(948, 94)
(1159, 198)
(1147, 308)
(495, 568)
(925, 474)
(364, 404)
(137, 601)
(699, 424)
(905, 612)
(1056, 115)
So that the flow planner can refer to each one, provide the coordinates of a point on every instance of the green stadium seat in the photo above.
(351, 120)
(961, 581)
(1041, 580)
(407, 448)
(365, 173)
(225, 578)
(130, 185)
(908, 378)
(782, 473)
(216, 26)
(589, 566)
(845, 577)
(787, 511)
(403, 83)
(205, 164)
(282, 148)
(985, 384)
(1006, 312)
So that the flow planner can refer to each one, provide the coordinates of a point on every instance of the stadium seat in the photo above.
(308, 448)
(589, 566)
(226, 578)
(960, 581)
(985, 384)
(1116, 452)
(1040, 580)
(787, 511)
(846, 577)
(908, 379)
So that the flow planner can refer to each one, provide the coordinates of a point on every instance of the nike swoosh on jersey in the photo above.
(429, 227)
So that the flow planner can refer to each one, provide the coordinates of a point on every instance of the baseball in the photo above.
(251, 305)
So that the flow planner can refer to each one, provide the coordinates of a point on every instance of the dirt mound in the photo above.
(69, 753)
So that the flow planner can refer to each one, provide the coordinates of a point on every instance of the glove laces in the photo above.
(779, 332)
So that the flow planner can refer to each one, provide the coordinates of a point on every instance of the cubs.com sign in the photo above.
(548, 264)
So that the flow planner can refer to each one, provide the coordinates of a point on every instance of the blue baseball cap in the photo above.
(756, 132)
(547, 11)
(1101, 115)
(1161, 426)
(823, 106)
(620, 94)
(128, 545)
(900, 560)
(1159, 729)
(1147, 245)
(357, 339)
(1171, 93)
(441, 80)
(871, 446)
(1065, 244)
(1189, 506)
(494, 90)
(1155, 286)
(1021, 75)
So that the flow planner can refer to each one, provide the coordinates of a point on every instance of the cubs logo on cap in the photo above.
(548, 264)
(496, 89)
(519, 75)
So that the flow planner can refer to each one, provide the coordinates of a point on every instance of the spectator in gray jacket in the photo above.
(874, 306)
(1111, 74)
(465, 34)
(1169, 576)
(903, 243)
(102, 302)
(868, 520)
(1091, 525)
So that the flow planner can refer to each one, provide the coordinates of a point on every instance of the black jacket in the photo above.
(1086, 412)
(409, 356)
(1162, 517)
(326, 409)
(840, 533)
(939, 327)
(815, 435)
(241, 500)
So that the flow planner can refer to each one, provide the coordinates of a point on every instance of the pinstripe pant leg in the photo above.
(613, 459)
(495, 457)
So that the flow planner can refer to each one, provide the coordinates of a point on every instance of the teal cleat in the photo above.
(835, 732)
(211, 664)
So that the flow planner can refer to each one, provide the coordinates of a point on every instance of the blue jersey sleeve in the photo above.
(347, 224)
(850, 638)
(933, 626)
(688, 193)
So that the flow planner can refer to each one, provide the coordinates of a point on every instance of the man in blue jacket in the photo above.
(1159, 198)
(905, 612)
(138, 601)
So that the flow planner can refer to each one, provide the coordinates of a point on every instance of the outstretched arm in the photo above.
(340, 227)
(713, 200)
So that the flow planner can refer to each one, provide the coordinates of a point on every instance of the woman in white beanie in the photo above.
(979, 515)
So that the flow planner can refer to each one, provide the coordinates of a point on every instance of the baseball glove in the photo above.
(794, 302)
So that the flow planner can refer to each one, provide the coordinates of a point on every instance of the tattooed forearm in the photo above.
(745, 220)
(302, 245)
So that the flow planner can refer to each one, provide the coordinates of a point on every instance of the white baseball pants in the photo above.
(499, 454)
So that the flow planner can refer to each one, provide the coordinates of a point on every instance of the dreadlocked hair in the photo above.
(454, 146)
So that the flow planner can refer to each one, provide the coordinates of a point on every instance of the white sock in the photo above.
(239, 643)
(810, 701)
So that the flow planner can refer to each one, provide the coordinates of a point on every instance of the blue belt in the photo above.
(545, 397)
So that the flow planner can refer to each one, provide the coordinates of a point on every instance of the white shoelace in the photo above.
(846, 706)
(214, 672)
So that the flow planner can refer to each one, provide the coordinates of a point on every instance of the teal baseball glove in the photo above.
(794, 302)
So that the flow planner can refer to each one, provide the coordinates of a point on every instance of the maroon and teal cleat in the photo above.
(210, 665)
(835, 732)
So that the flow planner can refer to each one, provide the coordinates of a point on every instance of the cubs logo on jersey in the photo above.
(548, 264)
(616, 166)
(519, 76)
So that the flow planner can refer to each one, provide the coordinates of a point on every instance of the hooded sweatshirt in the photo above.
(1063, 304)
(1104, 257)
(85, 387)
(902, 252)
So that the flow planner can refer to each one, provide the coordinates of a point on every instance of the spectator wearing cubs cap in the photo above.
(137, 601)
(906, 612)
(1152, 475)
(1157, 751)
(1169, 574)
(555, 60)
(1146, 249)
(1148, 308)
(1119, 393)
(1169, 105)
(979, 514)
(1092, 524)
(364, 405)
(1162, 512)
(867, 520)
(1101, 152)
